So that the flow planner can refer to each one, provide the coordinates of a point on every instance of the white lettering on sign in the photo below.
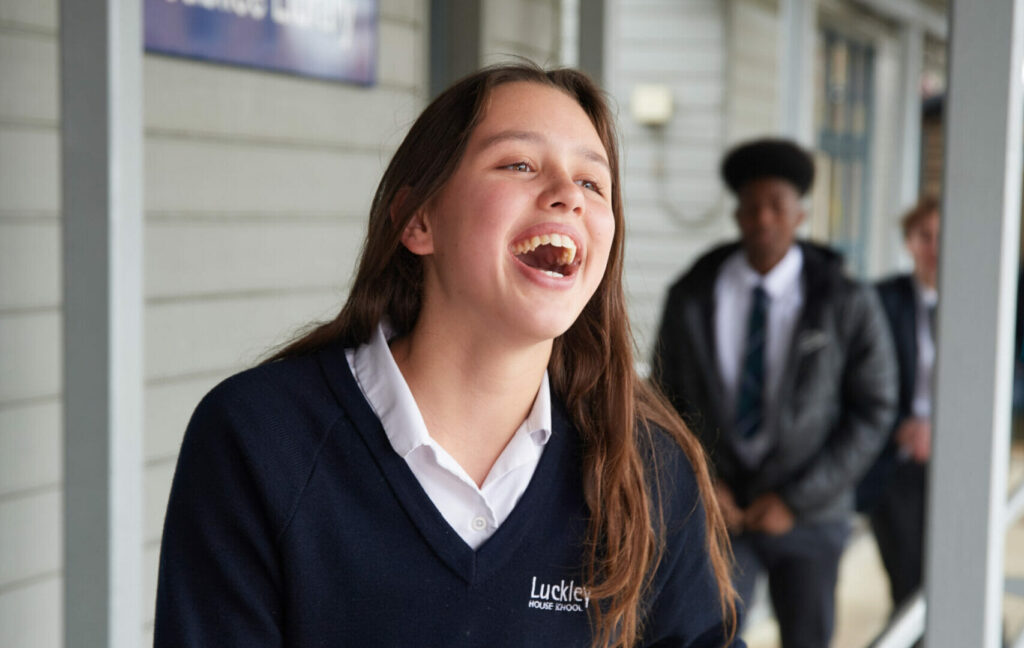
(335, 18)
(255, 9)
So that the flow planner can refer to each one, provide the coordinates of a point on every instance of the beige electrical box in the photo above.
(651, 104)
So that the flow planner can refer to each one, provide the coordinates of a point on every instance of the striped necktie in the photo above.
(750, 397)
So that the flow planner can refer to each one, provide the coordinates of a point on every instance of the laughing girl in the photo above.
(465, 456)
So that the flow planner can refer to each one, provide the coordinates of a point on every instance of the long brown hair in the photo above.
(591, 367)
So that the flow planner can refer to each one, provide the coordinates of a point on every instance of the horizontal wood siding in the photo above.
(673, 199)
(31, 522)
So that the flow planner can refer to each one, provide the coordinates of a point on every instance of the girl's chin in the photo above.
(545, 329)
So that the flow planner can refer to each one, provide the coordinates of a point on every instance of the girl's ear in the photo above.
(418, 235)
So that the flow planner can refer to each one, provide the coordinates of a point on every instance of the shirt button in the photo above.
(479, 523)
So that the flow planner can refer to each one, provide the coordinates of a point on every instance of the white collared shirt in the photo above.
(475, 513)
(925, 299)
(733, 287)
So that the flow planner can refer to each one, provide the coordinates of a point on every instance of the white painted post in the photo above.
(797, 20)
(978, 274)
(101, 148)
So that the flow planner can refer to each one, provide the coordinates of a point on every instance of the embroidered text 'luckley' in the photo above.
(560, 597)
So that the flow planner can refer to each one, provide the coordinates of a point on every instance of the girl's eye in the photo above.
(589, 184)
(518, 166)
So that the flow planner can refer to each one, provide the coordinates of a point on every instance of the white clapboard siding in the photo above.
(28, 61)
(688, 152)
(402, 54)
(29, 264)
(31, 535)
(32, 614)
(185, 338)
(656, 58)
(192, 174)
(192, 258)
(30, 345)
(658, 22)
(754, 70)
(680, 44)
(195, 98)
(30, 15)
(672, 266)
(648, 284)
(695, 204)
(29, 169)
(30, 447)
(410, 11)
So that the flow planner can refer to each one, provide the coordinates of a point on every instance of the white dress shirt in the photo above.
(473, 512)
(733, 287)
(927, 298)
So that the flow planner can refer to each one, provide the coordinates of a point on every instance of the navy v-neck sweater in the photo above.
(292, 522)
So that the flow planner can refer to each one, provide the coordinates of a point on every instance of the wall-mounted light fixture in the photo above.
(651, 105)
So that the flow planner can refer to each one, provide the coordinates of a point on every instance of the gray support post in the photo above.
(796, 58)
(454, 41)
(978, 273)
(592, 37)
(101, 57)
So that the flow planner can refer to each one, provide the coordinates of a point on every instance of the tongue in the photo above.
(545, 257)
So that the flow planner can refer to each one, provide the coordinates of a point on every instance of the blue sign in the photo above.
(327, 39)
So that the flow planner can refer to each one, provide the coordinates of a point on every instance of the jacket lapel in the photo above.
(906, 345)
(702, 320)
(809, 337)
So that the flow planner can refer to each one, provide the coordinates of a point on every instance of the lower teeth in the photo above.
(552, 273)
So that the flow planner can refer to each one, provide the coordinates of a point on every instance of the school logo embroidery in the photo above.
(560, 597)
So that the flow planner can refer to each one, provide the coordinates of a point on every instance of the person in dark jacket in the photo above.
(784, 369)
(893, 493)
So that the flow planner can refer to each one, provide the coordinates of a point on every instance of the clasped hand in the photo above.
(766, 514)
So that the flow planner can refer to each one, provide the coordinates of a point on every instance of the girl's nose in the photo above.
(564, 194)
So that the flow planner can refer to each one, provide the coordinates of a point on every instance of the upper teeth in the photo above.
(557, 240)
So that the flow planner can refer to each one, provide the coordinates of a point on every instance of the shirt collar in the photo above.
(389, 395)
(538, 421)
(780, 280)
(926, 296)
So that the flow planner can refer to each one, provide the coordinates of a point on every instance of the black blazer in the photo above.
(899, 301)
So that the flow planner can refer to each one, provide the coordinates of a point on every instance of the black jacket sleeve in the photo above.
(869, 394)
(674, 365)
(220, 581)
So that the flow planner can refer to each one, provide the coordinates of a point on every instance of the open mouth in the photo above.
(553, 254)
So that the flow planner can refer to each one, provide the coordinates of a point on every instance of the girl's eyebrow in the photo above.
(535, 137)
